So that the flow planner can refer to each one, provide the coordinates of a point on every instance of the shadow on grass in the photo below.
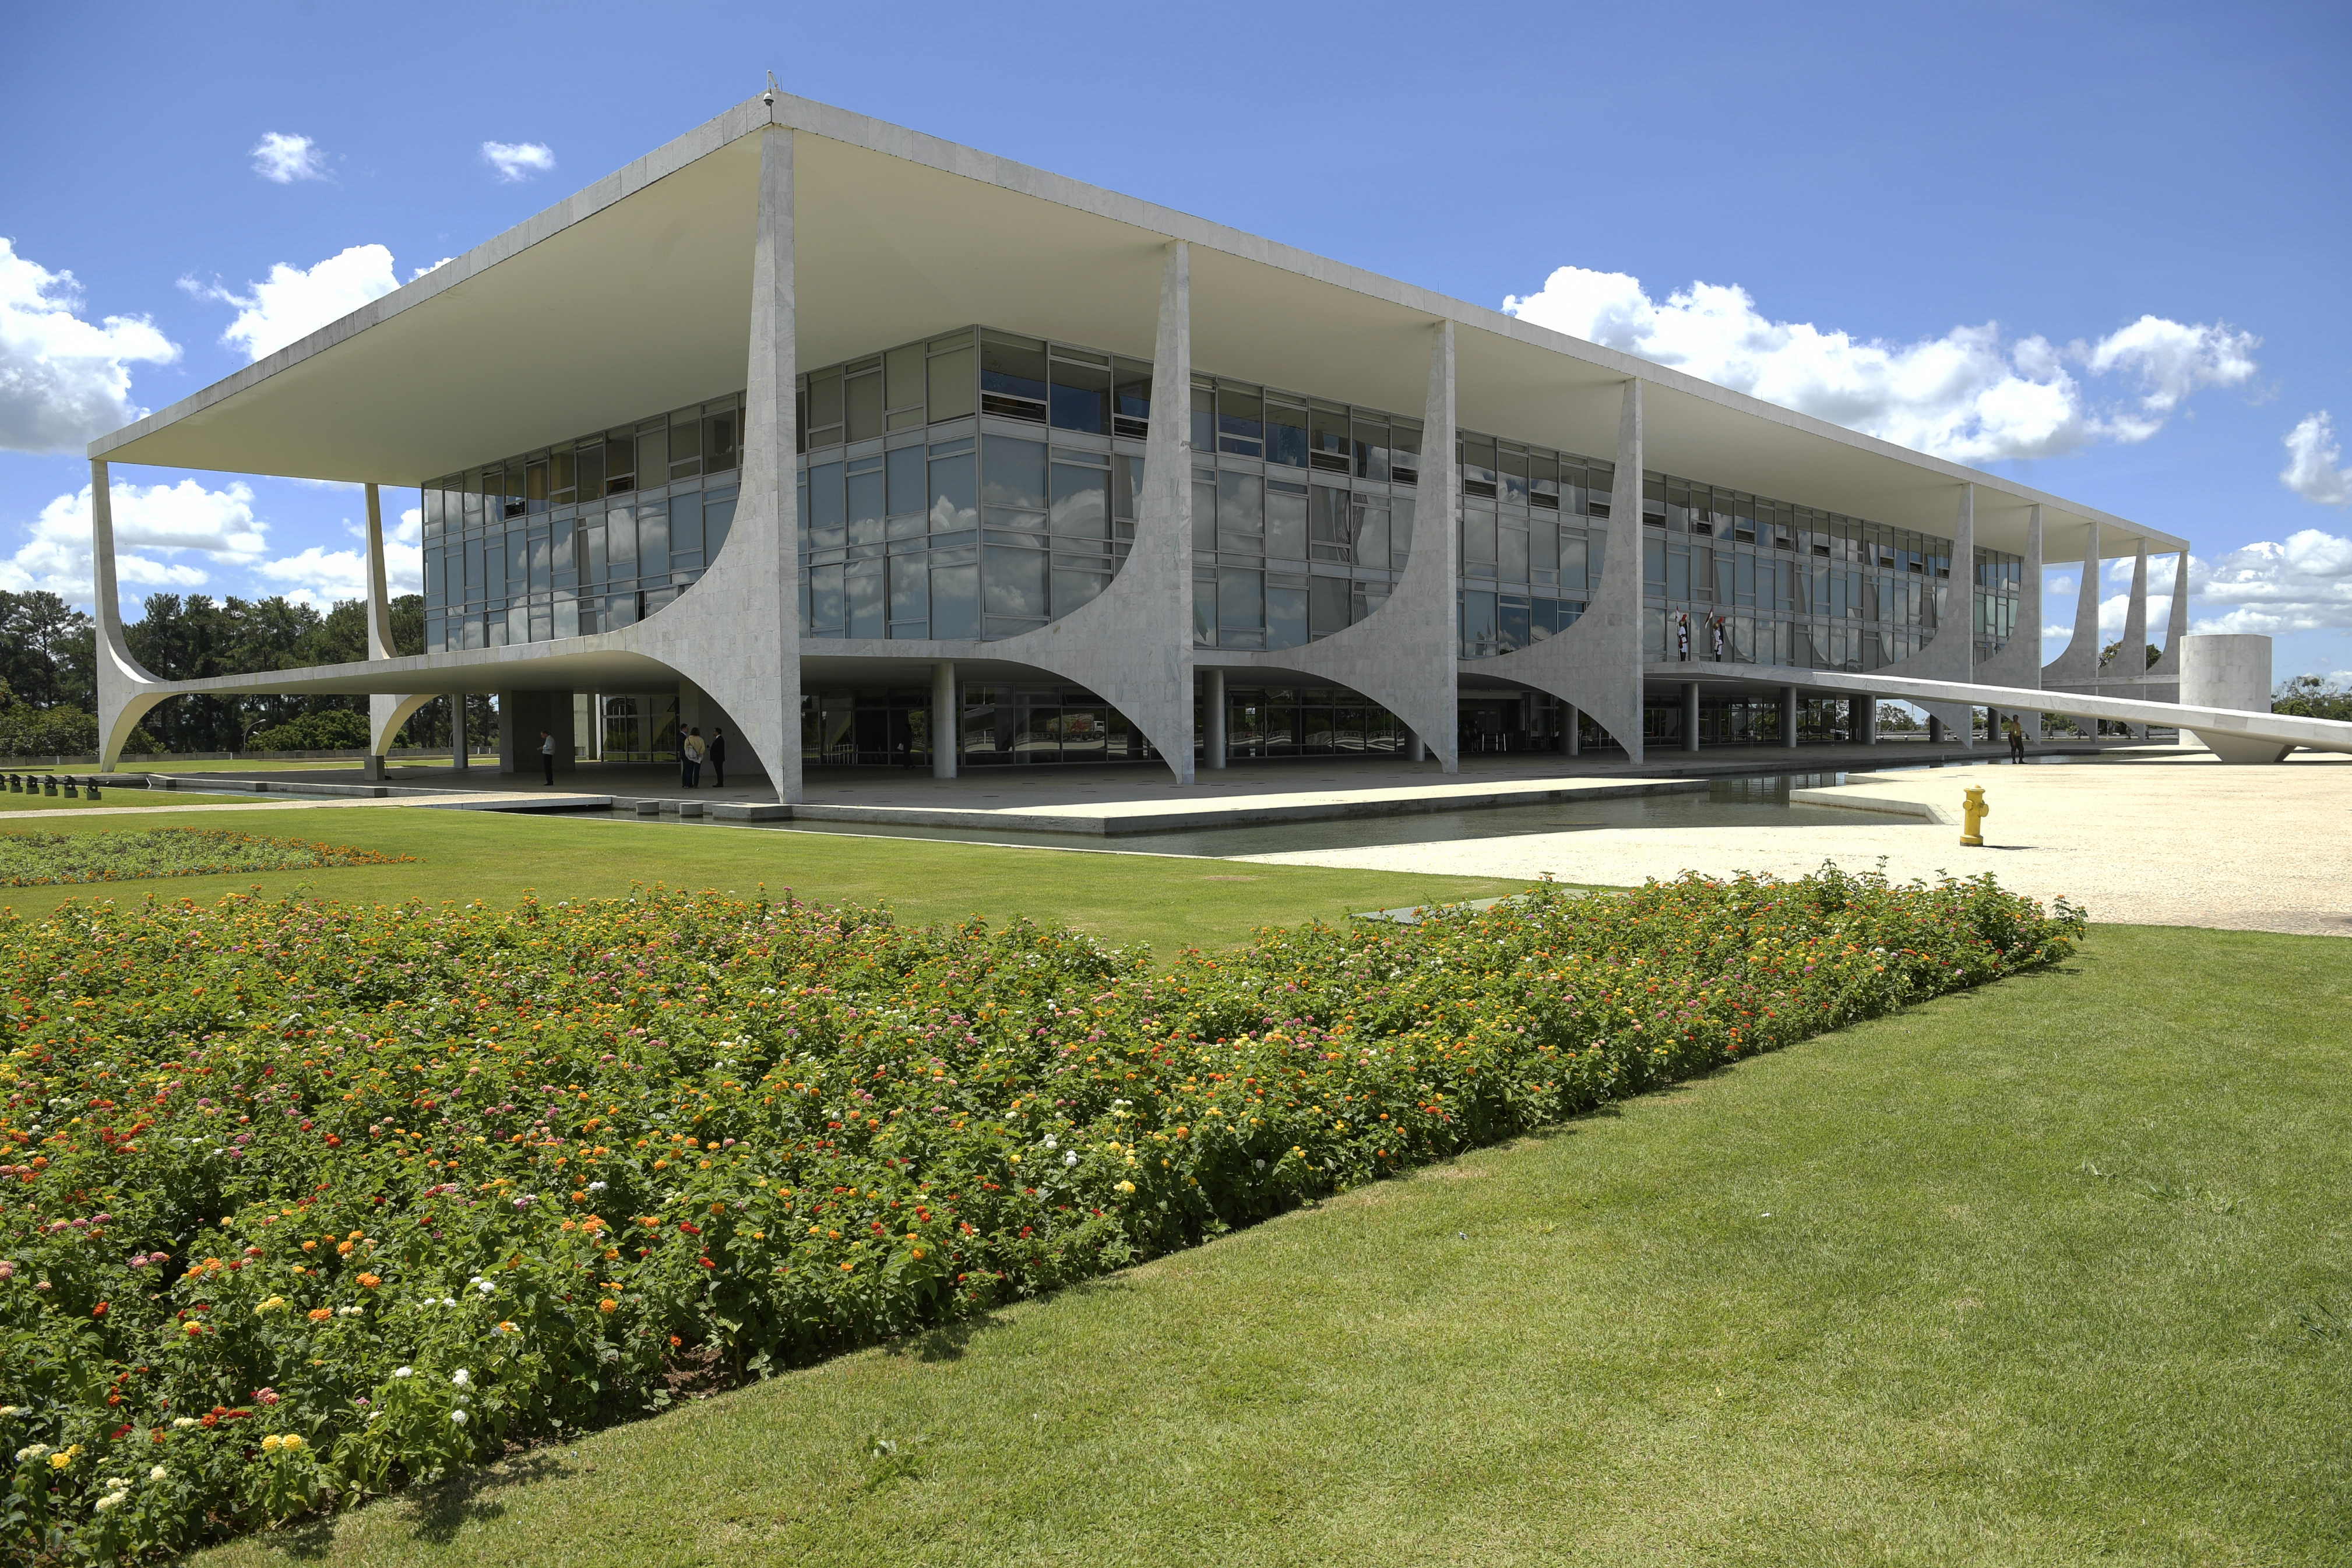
(945, 1342)
(438, 1510)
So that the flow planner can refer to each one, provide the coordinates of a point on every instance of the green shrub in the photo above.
(302, 1201)
(46, 860)
(327, 729)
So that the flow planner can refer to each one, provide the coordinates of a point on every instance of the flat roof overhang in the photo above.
(634, 295)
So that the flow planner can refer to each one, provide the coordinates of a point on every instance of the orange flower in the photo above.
(608, 1304)
(370, 1280)
(321, 1314)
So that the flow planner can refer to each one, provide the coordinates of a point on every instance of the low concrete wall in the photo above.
(352, 753)
(1846, 798)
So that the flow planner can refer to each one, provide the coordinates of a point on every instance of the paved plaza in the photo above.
(2157, 837)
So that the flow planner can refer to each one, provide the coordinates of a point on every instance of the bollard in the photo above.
(49, 784)
(72, 793)
(89, 787)
(1974, 811)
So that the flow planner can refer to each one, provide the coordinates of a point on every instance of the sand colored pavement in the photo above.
(2166, 841)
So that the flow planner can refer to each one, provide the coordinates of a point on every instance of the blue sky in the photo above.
(2100, 248)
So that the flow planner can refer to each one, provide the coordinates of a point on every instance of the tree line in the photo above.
(49, 675)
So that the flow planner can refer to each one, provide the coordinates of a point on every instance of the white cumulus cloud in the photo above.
(293, 302)
(518, 161)
(1970, 395)
(320, 577)
(2314, 462)
(2301, 585)
(64, 379)
(165, 521)
(281, 159)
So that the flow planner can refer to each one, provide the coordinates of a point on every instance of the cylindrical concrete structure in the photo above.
(1789, 717)
(1213, 731)
(947, 719)
(1690, 715)
(2230, 670)
(2226, 671)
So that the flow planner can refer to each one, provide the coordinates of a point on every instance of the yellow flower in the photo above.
(269, 1445)
(1127, 1186)
(291, 1441)
(60, 1461)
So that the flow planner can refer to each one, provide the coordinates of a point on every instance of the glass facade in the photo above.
(1731, 578)
(584, 536)
(980, 484)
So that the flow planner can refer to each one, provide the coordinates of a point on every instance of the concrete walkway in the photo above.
(2161, 839)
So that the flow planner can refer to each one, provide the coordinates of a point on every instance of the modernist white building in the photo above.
(870, 447)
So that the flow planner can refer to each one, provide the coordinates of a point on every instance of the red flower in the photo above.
(689, 1228)
(122, 1431)
(705, 1262)
(99, 1310)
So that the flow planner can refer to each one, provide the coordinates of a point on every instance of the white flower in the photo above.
(12, 1409)
(461, 1377)
(158, 1473)
(484, 1286)
(405, 1371)
(448, 1301)
(32, 1452)
(349, 1311)
(110, 1500)
(595, 1187)
(1071, 1159)
(1052, 1144)
(183, 1422)
(456, 1417)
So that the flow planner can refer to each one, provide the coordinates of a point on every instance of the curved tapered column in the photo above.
(2078, 664)
(1132, 644)
(2131, 655)
(2019, 663)
(386, 711)
(1596, 663)
(123, 699)
(386, 714)
(1951, 654)
(753, 670)
(2164, 675)
(1404, 654)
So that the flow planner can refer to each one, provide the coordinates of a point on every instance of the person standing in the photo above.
(694, 751)
(547, 756)
(718, 753)
(2016, 739)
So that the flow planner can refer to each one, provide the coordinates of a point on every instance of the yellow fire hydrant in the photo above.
(1974, 811)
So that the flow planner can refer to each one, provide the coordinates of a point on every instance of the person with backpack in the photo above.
(692, 754)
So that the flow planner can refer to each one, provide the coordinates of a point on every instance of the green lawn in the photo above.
(294, 765)
(115, 797)
(2057, 1272)
(1167, 901)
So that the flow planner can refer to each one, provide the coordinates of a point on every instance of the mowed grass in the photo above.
(2055, 1272)
(502, 857)
(144, 798)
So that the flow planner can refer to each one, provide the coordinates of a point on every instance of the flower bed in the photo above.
(46, 860)
(298, 1201)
